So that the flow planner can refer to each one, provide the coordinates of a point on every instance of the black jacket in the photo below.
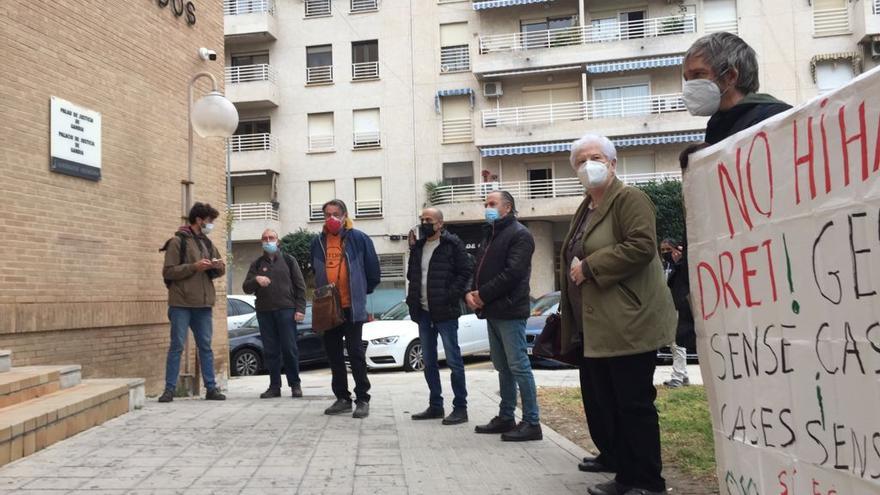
(449, 273)
(287, 290)
(680, 287)
(752, 109)
(503, 269)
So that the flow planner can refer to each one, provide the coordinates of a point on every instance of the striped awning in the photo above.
(494, 4)
(453, 92)
(637, 64)
(527, 72)
(619, 142)
(854, 57)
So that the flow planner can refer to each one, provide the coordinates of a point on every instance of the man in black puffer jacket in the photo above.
(438, 274)
(501, 296)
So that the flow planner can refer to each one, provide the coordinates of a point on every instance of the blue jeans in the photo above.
(507, 348)
(278, 332)
(448, 331)
(200, 320)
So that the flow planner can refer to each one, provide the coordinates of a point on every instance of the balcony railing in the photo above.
(368, 208)
(535, 189)
(455, 58)
(367, 140)
(364, 6)
(580, 110)
(254, 211)
(363, 71)
(317, 8)
(250, 73)
(322, 74)
(316, 213)
(457, 131)
(241, 7)
(253, 142)
(582, 35)
(831, 21)
(729, 26)
(321, 142)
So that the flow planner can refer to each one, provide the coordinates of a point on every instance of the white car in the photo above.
(393, 340)
(239, 309)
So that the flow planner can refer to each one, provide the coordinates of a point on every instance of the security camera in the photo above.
(206, 54)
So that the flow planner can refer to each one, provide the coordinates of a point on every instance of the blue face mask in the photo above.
(492, 215)
(270, 247)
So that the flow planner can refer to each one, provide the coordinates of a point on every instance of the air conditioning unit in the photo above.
(875, 49)
(491, 89)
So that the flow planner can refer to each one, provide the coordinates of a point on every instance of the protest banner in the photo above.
(783, 224)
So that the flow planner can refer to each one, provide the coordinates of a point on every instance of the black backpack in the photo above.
(182, 237)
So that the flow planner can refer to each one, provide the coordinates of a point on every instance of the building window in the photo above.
(252, 135)
(321, 132)
(248, 68)
(366, 129)
(319, 193)
(392, 266)
(365, 60)
(832, 74)
(317, 8)
(458, 173)
(358, 6)
(635, 164)
(830, 17)
(319, 64)
(457, 123)
(550, 31)
(368, 197)
(455, 47)
(720, 15)
(620, 101)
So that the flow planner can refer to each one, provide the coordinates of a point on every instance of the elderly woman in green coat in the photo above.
(617, 306)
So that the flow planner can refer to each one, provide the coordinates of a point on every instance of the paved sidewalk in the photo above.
(248, 445)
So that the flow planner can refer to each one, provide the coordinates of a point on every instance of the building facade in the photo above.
(80, 272)
(393, 105)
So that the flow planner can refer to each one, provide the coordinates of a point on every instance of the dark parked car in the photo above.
(543, 307)
(246, 346)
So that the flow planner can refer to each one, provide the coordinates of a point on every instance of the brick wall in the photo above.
(80, 274)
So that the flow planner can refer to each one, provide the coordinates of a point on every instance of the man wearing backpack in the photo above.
(277, 281)
(191, 264)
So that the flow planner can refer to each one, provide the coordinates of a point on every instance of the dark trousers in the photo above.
(600, 420)
(350, 332)
(624, 385)
(278, 332)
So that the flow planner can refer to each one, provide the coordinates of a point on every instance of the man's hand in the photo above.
(684, 157)
(299, 316)
(217, 263)
(203, 264)
(473, 300)
(263, 281)
(576, 273)
(676, 254)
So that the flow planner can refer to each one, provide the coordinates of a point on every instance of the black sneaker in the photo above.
(457, 417)
(361, 410)
(339, 407)
(523, 433)
(167, 396)
(497, 425)
(271, 393)
(429, 413)
(296, 391)
(214, 394)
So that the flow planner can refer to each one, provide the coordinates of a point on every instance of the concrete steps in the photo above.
(41, 405)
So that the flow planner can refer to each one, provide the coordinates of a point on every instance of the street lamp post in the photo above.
(212, 116)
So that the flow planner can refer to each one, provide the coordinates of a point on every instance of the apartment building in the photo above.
(391, 105)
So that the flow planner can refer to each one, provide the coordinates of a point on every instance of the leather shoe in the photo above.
(429, 413)
(496, 425)
(296, 391)
(593, 466)
(271, 393)
(523, 432)
(607, 488)
(641, 491)
(457, 417)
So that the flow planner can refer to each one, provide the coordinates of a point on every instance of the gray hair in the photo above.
(723, 51)
(607, 146)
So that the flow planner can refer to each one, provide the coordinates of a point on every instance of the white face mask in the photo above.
(593, 174)
(207, 228)
(702, 97)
